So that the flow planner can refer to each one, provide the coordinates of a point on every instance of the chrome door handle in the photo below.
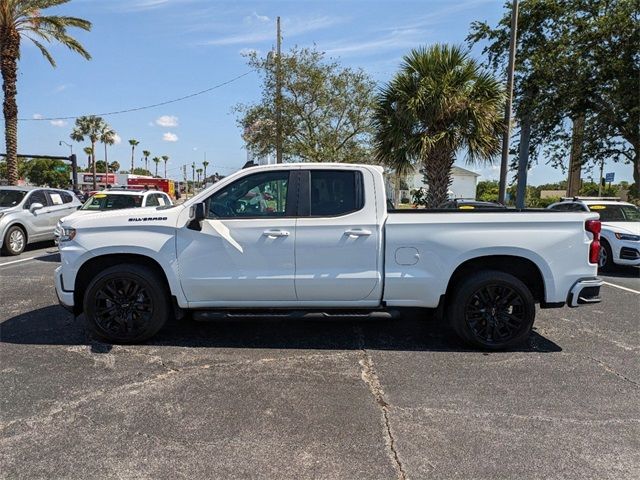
(357, 232)
(275, 233)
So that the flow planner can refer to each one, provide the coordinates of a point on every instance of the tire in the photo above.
(605, 260)
(126, 304)
(15, 241)
(479, 315)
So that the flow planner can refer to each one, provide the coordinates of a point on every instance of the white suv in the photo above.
(620, 236)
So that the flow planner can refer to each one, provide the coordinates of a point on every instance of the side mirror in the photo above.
(35, 206)
(199, 212)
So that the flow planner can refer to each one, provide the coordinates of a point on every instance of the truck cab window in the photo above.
(259, 195)
(335, 192)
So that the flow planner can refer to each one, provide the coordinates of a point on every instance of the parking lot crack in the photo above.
(372, 381)
(612, 370)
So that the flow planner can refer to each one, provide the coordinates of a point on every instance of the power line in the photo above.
(145, 107)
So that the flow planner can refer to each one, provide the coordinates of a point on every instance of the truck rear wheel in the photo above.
(126, 304)
(492, 310)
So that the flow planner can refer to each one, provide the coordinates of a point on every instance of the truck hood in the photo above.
(124, 217)
(622, 227)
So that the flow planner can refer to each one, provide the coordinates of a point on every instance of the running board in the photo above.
(213, 315)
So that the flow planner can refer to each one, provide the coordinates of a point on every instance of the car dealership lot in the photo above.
(395, 399)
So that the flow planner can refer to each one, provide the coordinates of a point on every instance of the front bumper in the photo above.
(585, 292)
(64, 297)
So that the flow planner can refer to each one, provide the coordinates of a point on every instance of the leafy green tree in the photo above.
(24, 19)
(326, 109)
(488, 191)
(577, 70)
(142, 171)
(43, 172)
(438, 104)
(90, 127)
(133, 142)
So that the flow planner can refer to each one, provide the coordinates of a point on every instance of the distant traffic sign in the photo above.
(609, 177)
(60, 168)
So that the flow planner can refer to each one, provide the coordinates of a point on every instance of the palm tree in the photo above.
(205, 164)
(198, 171)
(157, 161)
(166, 159)
(108, 137)
(90, 127)
(23, 18)
(133, 142)
(439, 103)
(87, 150)
(146, 154)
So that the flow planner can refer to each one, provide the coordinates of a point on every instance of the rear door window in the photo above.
(37, 196)
(335, 192)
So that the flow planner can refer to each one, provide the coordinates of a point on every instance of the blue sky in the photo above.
(148, 51)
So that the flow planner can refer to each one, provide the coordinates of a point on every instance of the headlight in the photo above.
(66, 234)
(627, 236)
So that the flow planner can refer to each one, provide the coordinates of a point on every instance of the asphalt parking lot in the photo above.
(347, 400)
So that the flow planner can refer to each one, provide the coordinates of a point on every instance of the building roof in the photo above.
(455, 170)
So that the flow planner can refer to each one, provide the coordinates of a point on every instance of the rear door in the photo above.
(61, 205)
(38, 221)
(338, 239)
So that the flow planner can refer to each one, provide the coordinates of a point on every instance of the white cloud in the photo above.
(58, 123)
(397, 39)
(38, 116)
(264, 32)
(117, 139)
(63, 87)
(255, 18)
(167, 121)
(169, 137)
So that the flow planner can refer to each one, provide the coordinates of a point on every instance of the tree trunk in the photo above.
(132, 149)
(93, 164)
(165, 169)
(575, 159)
(9, 66)
(437, 170)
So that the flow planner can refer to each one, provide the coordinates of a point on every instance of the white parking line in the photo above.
(26, 259)
(622, 288)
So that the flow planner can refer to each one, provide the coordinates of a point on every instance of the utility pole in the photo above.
(504, 165)
(278, 94)
(601, 178)
(193, 176)
(186, 184)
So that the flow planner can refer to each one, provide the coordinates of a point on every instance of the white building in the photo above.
(463, 184)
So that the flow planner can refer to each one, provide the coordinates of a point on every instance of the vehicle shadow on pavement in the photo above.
(622, 272)
(52, 325)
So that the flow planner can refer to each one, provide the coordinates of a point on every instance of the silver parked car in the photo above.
(30, 214)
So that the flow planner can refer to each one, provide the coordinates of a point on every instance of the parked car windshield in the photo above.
(11, 198)
(617, 213)
(105, 201)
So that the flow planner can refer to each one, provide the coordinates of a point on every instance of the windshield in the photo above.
(617, 213)
(105, 201)
(11, 198)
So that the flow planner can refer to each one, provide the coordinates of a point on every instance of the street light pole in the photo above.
(504, 164)
(67, 144)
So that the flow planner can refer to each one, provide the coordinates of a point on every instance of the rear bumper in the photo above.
(585, 292)
(64, 297)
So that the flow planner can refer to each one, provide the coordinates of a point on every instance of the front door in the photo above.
(244, 253)
(338, 241)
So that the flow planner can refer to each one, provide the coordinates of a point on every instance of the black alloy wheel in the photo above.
(492, 310)
(126, 304)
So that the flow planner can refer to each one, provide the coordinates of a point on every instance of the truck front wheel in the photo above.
(492, 310)
(126, 304)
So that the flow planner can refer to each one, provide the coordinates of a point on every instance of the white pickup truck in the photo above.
(317, 240)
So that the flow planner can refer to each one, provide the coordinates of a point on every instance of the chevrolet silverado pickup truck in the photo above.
(318, 240)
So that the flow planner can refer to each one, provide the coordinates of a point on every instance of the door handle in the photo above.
(357, 232)
(275, 233)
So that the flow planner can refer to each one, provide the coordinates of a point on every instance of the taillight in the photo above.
(594, 227)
